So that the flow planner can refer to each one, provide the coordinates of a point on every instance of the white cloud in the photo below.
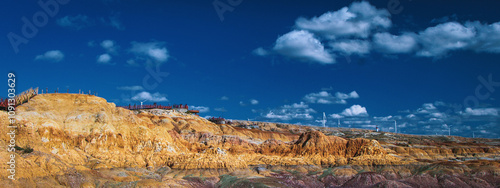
(324, 97)
(260, 52)
(427, 108)
(53, 55)
(439, 103)
(74, 22)
(109, 45)
(362, 29)
(254, 101)
(104, 59)
(321, 97)
(289, 112)
(481, 112)
(130, 88)
(358, 20)
(487, 38)
(351, 46)
(224, 98)
(146, 96)
(440, 39)
(387, 118)
(336, 116)
(389, 43)
(438, 115)
(202, 109)
(303, 46)
(411, 116)
(351, 95)
(153, 50)
(355, 110)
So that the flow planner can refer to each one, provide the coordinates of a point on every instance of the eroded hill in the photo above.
(84, 141)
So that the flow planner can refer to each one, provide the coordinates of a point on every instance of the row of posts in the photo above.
(67, 91)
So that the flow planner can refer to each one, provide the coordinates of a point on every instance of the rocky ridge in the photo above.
(78, 138)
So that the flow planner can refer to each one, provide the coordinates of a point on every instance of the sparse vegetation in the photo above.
(26, 149)
(327, 172)
(311, 173)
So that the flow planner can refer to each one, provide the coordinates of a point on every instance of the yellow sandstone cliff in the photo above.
(83, 133)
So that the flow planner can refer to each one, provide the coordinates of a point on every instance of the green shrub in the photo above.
(26, 149)
(327, 172)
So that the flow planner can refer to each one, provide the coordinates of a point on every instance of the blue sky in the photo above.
(428, 65)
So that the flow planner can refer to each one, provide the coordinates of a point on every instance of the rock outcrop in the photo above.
(77, 139)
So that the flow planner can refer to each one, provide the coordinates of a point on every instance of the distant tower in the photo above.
(143, 102)
(338, 123)
(324, 119)
(377, 128)
(395, 127)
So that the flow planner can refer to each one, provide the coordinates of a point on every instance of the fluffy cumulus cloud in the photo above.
(151, 50)
(300, 111)
(481, 112)
(202, 109)
(53, 56)
(324, 97)
(351, 46)
(361, 29)
(355, 110)
(444, 37)
(254, 101)
(109, 45)
(74, 22)
(151, 97)
(358, 20)
(303, 46)
(104, 59)
(389, 43)
(427, 108)
(343, 96)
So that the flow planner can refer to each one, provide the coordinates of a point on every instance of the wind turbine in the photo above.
(323, 121)
(141, 101)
